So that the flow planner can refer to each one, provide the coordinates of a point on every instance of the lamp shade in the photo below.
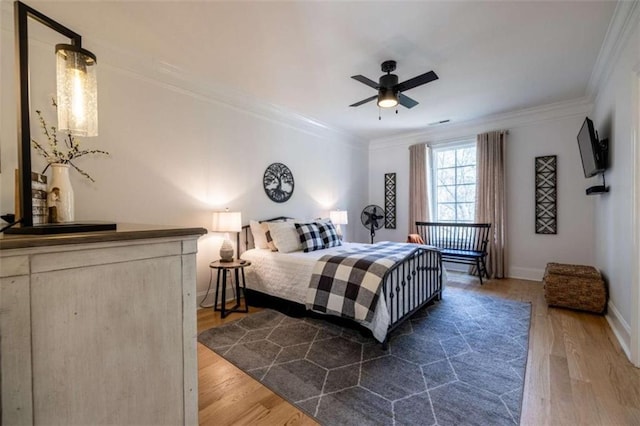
(338, 217)
(77, 90)
(226, 222)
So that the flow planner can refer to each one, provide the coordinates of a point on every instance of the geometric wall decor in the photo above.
(390, 200)
(546, 195)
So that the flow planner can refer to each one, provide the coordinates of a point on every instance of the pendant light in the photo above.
(77, 98)
(77, 104)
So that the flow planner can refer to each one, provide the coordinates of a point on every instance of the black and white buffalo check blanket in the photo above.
(348, 284)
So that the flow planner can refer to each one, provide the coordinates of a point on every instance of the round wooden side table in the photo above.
(238, 267)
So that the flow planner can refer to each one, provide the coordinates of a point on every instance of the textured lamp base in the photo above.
(226, 252)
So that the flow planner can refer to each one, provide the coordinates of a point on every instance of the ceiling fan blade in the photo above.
(364, 101)
(417, 81)
(406, 101)
(364, 80)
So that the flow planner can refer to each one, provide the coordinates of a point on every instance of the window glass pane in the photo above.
(465, 212)
(446, 194)
(466, 156)
(466, 174)
(446, 212)
(454, 177)
(446, 177)
(465, 193)
(446, 158)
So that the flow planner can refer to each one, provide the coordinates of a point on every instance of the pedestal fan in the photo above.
(372, 217)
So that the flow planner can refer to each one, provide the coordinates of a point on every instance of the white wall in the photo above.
(544, 131)
(177, 153)
(614, 211)
(529, 252)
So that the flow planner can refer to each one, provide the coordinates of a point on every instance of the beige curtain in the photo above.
(428, 214)
(418, 189)
(491, 197)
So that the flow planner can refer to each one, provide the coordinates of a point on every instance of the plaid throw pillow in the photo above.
(329, 234)
(310, 237)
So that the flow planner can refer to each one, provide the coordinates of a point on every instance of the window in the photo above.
(454, 183)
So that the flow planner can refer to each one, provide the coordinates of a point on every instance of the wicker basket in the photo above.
(575, 287)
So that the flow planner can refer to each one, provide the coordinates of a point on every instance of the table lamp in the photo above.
(226, 222)
(338, 217)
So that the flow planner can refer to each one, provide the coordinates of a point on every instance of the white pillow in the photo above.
(259, 231)
(285, 236)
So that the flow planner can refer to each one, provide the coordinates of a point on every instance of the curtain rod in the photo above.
(460, 139)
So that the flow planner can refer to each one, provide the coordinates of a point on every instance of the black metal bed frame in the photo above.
(407, 286)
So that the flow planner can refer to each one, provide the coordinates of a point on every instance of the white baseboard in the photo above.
(620, 328)
(533, 274)
(200, 297)
(212, 293)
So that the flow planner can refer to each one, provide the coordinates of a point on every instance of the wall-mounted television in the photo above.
(592, 151)
(594, 154)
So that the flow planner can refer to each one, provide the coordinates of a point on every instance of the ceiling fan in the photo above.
(390, 92)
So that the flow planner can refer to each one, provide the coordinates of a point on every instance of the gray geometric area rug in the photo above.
(458, 361)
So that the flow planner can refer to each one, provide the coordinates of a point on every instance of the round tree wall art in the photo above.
(278, 182)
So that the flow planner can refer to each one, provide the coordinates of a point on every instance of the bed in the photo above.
(412, 277)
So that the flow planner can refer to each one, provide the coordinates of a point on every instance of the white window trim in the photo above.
(432, 179)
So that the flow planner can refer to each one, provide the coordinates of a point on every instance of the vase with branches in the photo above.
(60, 154)
(66, 151)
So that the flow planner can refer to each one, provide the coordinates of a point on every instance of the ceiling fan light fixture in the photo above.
(390, 92)
(387, 98)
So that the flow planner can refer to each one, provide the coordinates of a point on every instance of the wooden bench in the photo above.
(464, 243)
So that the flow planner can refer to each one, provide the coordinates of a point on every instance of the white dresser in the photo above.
(99, 328)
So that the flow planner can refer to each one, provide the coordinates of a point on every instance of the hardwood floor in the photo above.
(576, 371)
(228, 396)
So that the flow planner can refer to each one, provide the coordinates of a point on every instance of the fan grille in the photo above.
(372, 215)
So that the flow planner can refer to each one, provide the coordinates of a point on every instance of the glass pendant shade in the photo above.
(387, 98)
(77, 90)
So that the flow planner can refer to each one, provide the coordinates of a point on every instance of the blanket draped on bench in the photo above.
(349, 284)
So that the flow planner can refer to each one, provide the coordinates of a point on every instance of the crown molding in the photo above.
(172, 77)
(625, 16)
(175, 78)
(470, 128)
(147, 68)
